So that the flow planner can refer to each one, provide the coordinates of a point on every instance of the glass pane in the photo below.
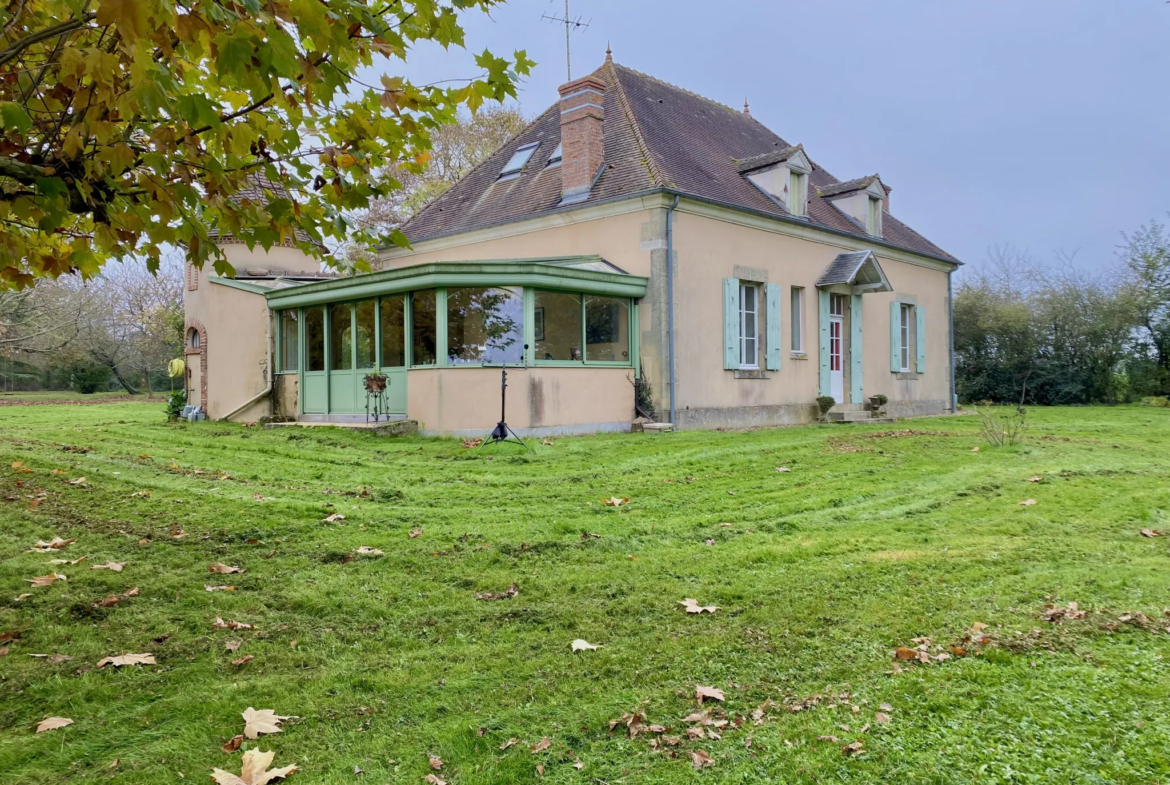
(518, 159)
(340, 338)
(607, 329)
(485, 325)
(394, 331)
(366, 337)
(315, 338)
(422, 328)
(557, 326)
(290, 341)
(796, 336)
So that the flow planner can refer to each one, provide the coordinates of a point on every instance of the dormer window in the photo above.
(519, 158)
(782, 175)
(874, 223)
(863, 200)
(555, 158)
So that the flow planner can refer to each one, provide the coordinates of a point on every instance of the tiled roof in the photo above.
(657, 137)
(767, 159)
(851, 186)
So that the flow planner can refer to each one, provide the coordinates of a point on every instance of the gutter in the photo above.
(670, 302)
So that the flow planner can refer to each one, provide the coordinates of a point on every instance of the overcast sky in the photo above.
(1044, 124)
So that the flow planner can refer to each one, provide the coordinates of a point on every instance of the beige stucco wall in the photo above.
(466, 401)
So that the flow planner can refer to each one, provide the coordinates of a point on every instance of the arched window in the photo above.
(193, 341)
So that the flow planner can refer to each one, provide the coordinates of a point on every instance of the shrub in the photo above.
(826, 402)
(89, 377)
(1160, 401)
(1002, 425)
(175, 404)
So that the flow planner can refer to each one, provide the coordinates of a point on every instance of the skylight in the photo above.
(518, 159)
(555, 158)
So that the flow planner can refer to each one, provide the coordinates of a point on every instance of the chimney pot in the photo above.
(582, 136)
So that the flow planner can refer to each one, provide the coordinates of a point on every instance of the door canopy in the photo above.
(859, 269)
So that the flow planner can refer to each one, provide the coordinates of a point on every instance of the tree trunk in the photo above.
(122, 380)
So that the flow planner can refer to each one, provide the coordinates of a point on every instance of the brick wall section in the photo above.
(582, 137)
(192, 277)
(193, 324)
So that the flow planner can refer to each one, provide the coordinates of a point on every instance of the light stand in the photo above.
(503, 432)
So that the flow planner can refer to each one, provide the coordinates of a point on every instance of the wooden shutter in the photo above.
(730, 324)
(855, 364)
(895, 336)
(775, 333)
(920, 338)
(826, 384)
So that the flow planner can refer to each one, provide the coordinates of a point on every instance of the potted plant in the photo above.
(824, 403)
(375, 381)
(878, 401)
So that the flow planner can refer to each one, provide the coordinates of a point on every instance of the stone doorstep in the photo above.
(657, 427)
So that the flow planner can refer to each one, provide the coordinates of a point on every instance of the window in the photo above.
(485, 325)
(837, 305)
(607, 329)
(797, 192)
(557, 326)
(907, 329)
(315, 338)
(290, 341)
(366, 337)
(749, 328)
(393, 331)
(422, 328)
(555, 158)
(874, 225)
(340, 338)
(193, 339)
(519, 158)
(797, 309)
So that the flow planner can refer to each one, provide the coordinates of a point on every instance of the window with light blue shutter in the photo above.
(920, 339)
(896, 336)
(775, 337)
(730, 324)
(826, 382)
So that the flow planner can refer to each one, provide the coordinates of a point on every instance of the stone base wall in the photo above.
(903, 409)
(746, 416)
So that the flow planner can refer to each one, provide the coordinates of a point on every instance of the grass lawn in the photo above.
(875, 537)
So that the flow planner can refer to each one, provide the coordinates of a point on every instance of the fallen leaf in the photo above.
(1035, 479)
(1056, 613)
(220, 624)
(540, 769)
(541, 745)
(783, 469)
(113, 599)
(436, 763)
(472, 443)
(52, 723)
(21, 598)
(110, 565)
(143, 494)
(708, 692)
(55, 659)
(614, 501)
(509, 743)
(974, 449)
(693, 606)
(590, 535)
(232, 644)
(261, 721)
(17, 464)
(415, 533)
(709, 542)
(886, 707)
(243, 660)
(253, 770)
(128, 659)
(54, 544)
(67, 561)
(45, 580)
(904, 654)
(1027, 503)
(223, 569)
(233, 743)
(506, 594)
(881, 718)
(578, 765)
(366, 550)
(334, 518)
(583, 645)
(833, 739)
(1151, 533)
(700, 759)
(219, 588)
(177, 531)
(431, 779)
(856, 748)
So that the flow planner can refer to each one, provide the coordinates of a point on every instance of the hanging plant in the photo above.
(375, 382)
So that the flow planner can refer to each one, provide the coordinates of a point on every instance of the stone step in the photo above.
(657, 427)
(848, 407)
(850, 416)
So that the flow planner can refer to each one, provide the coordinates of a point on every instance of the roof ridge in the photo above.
(479, 166)
(657, 175)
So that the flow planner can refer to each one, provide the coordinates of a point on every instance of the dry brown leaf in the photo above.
(1151, 533)
(886, 707)
(856, 748)
(253, 770)
(334, 518)
(1035, 479)
(578, 765)
(232, 644)
(974, 449)
(881, 718)
(509, 743)
(436, 763)
(1027, 503)
(243, 660)
(540, 769)
(833, 739)
(45, 580)
(693, 606)
(52, 723)
(431, 779)
(218, 588)
(415, 533)
(78, 481)
(223, 569)
(177, 531)
(128, 659)
(220, 624)
(113, 599)
(55, 659)
(506, 594)
(261, 721)
(904, 654)
(583, 645)
(21, 598)
(109, 565)
(783, 469)
(590, 536)
(1055, 613)
(366, 550)
(700, 759)
(54, 544)
(708, 692)
(541, 745)
(68, 561)
(614, 501)
(233, 743)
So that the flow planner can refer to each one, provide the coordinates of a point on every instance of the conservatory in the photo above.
(440, 332)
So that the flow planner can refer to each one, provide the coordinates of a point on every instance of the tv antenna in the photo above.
(570, 24)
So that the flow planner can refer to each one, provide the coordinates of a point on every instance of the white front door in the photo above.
(836, 347)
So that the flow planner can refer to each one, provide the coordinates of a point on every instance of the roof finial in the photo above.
(608, 53)
(746, 109)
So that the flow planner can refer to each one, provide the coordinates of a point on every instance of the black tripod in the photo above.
(503, 432)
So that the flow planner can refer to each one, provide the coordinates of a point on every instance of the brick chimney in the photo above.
(582, 137)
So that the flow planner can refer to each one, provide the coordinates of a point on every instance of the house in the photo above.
(633, 233)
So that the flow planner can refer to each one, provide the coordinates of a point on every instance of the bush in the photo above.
(826, 402)
(1003, 424)
(175, 404)
(89, 377)
(1160, 401)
